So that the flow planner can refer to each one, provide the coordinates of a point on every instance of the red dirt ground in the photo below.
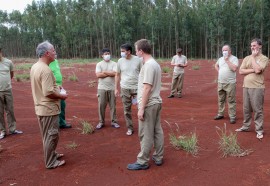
(101, 158)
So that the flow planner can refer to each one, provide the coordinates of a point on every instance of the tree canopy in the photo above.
(81, 28)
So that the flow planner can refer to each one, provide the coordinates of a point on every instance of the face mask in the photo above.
(106, 57)
(123, 55)
(225, 53)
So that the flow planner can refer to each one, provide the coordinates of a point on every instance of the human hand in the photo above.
(140, 114)
(255, 52)
(64, 96)
(116, 92)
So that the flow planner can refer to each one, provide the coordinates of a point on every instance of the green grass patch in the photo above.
(166, 69)
(78, 61)
(73, 77)
(22, 77)
(229, 145)
(23, 66)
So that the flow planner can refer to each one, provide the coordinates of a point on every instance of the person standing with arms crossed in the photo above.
(149, 105)
(105, 72)
(47, 96)
(6, 97)
(54, 66)
(226, 67)
(253, 68)
(179, 62)
(128, 69)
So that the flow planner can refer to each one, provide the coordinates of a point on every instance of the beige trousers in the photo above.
(6, 104)
(253, 99)
(227, 90)
(177, 84)
(126, 95)
(49, 130)
(151, 134)
(104, 97)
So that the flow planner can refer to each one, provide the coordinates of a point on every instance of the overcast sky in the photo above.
(10, 5)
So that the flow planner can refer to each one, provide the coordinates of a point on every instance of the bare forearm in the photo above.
(57, 95)
(246, 71)
(110, 73)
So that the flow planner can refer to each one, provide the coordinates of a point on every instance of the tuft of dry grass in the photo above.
(87, 128)
(92, 83)
(229, 145)
(184, 142)
(72, 145)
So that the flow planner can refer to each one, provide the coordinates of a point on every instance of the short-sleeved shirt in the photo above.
(225, 74)
(150, 74)
(179, 60)
(108, 82)
(6, 66)
(129, 69)
(254, 80)
(54, 66)
(43, 84)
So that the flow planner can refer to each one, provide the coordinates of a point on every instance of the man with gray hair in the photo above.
(226, 67)
(47, 96)
(6, 97)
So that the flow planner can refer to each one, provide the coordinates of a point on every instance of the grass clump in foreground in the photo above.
(228, 144)
(87, 128)
(186, 143)
(73, 77)
(72, 145)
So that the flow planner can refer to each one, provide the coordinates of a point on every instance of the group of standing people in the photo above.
(140, 81)
(137, 79)
(252, 67)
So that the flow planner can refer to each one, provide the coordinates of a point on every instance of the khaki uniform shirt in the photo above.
(254, 80)
(6, 66)
(108, 82)
(129, 69)
(150, 74)
(43, 84)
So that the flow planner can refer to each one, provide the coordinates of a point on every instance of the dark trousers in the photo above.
(62, 115)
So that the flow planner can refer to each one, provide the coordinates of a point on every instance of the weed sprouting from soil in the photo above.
(166, 69)
(72, 145)
(184, 142)
(228, 144)
(87, 128)
(73, 77)
(196, 67)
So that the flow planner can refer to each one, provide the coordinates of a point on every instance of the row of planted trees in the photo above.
(81, 28)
